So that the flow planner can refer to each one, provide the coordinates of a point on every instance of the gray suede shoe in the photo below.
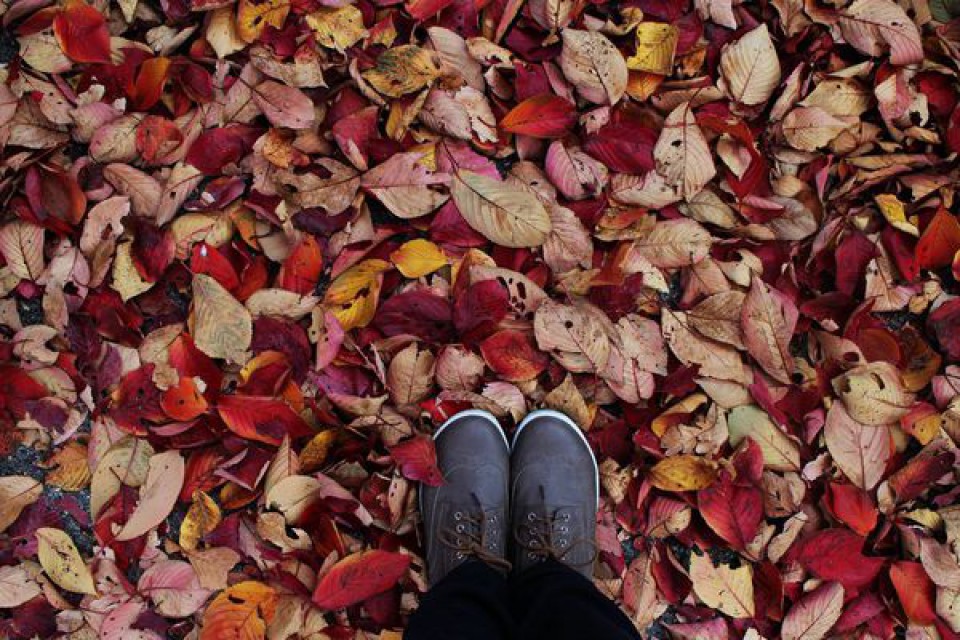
(554, 493)
(465, 518)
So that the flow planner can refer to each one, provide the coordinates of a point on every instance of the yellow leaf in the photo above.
(126, 279)
(221, 327)
(403, 70)
(242, 612)
(683, 473)
(16, 493)
(202, 517)
(62, 562)
(724, 588)
(418, 258)
(656, 45)
(71, 469)
(253, 17)
(895, 213)
(337, 28)
(352, 297)
(315, 453)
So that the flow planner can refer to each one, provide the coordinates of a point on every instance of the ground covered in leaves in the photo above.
(254, 251)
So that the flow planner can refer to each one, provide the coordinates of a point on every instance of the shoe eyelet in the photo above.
(458, 515)
(531, 516)
(565, 517)
(459, 556)
(563, 529)
(530, 556)
(460, 528)
(563, 544)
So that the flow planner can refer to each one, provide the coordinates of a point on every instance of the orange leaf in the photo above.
(543, 116)
(915, 590)
(940, 241)
(82, 32)
(183, 401)
(253, 17)
(261, 418)
(242, 612)
(149, 85)
(358, 577)
(302, 269)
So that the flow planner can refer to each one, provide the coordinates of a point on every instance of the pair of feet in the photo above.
(511, 506)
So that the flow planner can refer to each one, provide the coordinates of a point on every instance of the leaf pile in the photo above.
(253, 251)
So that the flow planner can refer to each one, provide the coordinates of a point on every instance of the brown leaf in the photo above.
(769, 319)
(221, 327)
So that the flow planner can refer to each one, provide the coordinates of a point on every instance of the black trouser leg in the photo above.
(553, 602)
(470, 603)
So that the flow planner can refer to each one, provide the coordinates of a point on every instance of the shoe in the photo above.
(555, 492)
(465, 518)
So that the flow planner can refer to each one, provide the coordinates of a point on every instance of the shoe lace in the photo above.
(546, 534)
(471, 537)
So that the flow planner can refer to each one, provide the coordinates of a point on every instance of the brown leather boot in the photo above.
(466, 518)
(554, 493)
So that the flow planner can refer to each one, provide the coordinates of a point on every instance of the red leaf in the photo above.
(261, 418)
(733, 512)
(543, 116)
(625, 147)
(82, 32)
(183, 401)
(852, 506)
(216, 148)
(424, 9)
(360, 576)
(479, 310)
(944, 321)
(419, 313)
(156, 137)
(513, 355)
(417, 459)
(208, 260)
(915, 591)
(837, 554)
(302, 268)
(940, 241)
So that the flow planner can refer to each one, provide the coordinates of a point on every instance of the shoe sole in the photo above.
(565, 419)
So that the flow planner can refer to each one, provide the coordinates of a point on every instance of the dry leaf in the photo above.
(594, 66)
(681, 153)
(750, 67)
(221, 327)
(62, 562)
(722, 587)
(16, 493)
(504, 212)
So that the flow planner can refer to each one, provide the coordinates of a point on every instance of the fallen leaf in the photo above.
(594, 66)
(656, 45)
(750, 67)
(683, 473)
(812, 617)
(542, 116)
(769, 319)
(861, 451)
(242, 612)
(62, 562)
(722, 587)
(221, 327)
(682, 155)
(358, 577)
(16, 493)
(157, 496)
(503, 212)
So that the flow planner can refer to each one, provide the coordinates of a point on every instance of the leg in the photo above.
(465, 534)
(554, 498)
(470, 603)
(552, 601)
